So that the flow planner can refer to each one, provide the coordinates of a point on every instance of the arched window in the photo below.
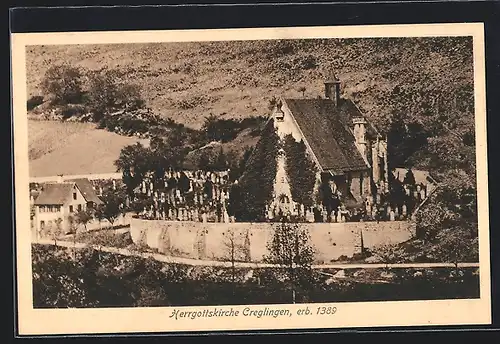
(284, 199)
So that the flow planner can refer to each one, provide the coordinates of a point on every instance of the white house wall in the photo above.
(63, 214)
(80, 200)
(48, 218)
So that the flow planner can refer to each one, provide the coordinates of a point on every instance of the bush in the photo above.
(33, 102)
(71, 110)
(93, 279)
(107, 94)
(63, 83)
(225, 130)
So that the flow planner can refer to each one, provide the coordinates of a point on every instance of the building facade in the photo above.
(57, 204)
(348, 151)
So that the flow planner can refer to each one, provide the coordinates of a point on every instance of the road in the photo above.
(199, 262)
(91, 176)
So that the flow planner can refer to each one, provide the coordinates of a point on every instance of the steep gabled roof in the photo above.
(421, 176)
(326, 128)
(54, 194)
(86, 189)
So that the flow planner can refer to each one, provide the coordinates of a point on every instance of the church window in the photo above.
(361, 176)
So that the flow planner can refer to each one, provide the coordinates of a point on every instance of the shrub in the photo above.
(33, 102)
(107, 94)
(71, 110)
(64, 83)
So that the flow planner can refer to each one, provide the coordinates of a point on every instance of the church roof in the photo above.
(327, 129)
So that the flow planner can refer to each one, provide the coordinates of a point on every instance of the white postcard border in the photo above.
(349, 314)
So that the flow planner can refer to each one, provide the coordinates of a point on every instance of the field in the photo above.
(427, 81)
(188, 81)
(72, 148)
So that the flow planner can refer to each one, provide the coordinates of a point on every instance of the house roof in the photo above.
(421, 177)
(327, 129)
(87, 190)
(54, 194)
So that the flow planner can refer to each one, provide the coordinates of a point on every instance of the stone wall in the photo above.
(248, 241)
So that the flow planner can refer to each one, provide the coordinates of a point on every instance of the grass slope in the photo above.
(187, 81)
(80, 148)
(72, 148)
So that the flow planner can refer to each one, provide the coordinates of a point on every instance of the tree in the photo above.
(233, 247)
(456, 245)
(220, 162)
(301, 171)
(134, 162)
(169, 152)
(409, 178)
(111, 208)
(83, 217)
(149, 280)
(256, 185)
(406, 138)
(102, 239)
(108, 94)
(220, 129)
(64, 83)
(57, 230)
(129, 97)
(271, 104)
(236, 164)
(290, 247)
(389, 254)
(58, 282)
(204, 161)
(140, 202)
(33, 102)
(73, 230)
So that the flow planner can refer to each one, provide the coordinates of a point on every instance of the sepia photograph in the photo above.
(260, 174)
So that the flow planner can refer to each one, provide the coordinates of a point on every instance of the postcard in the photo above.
(251, 179)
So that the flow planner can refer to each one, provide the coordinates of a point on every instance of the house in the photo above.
(58, 202)
(349, 152)
(418, 184)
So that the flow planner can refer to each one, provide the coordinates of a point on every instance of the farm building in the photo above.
(57, 202)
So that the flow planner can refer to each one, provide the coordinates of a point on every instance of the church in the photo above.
(349, 153)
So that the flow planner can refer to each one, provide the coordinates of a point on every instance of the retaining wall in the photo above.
(248, 241)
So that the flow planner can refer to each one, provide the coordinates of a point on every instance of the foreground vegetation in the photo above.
(90, 278)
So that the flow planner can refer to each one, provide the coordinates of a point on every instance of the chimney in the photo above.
(278, 113)
(332, 90)
(359, 131)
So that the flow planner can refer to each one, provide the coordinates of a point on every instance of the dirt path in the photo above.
(199, 262)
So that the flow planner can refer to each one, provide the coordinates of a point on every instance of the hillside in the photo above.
(72, 148)
(78, 148)
(188, 81)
